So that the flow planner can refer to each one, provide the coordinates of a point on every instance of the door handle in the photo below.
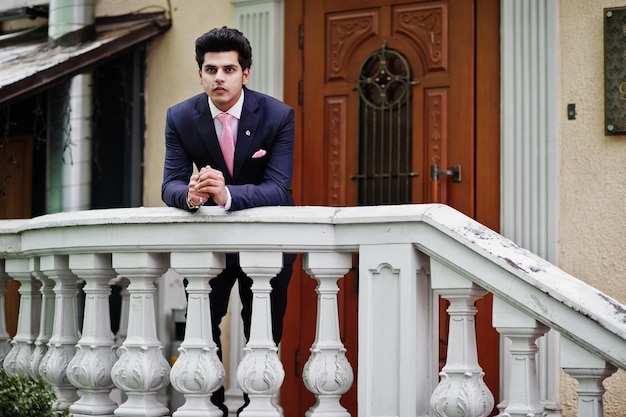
(435, 172)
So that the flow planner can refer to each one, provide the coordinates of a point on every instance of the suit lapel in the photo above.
(248, 124)
(208, 136)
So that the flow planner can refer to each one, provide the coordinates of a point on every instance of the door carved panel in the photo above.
(426, 26)
(346, 33)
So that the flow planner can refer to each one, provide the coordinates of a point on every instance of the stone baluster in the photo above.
(122, 330)
(46, 322)
(141, 370)
(260, 373)
(461, 390)
(62, 344)
(118, 338)
(90, 369)
(523, 396)
(5, 340)
(590, 371)
(233, 396)
(17, 362)
(327, 373)
(198, 371)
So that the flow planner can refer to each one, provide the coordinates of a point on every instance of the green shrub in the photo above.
(23, 397)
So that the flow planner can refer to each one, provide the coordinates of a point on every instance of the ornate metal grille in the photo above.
(384, 130)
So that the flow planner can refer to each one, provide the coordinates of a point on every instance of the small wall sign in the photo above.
(615, 70)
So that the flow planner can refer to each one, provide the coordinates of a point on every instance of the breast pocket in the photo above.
(256, 167)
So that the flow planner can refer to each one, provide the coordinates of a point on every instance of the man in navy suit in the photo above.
(262, 129)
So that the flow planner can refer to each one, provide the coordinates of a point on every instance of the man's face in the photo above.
(223, 78)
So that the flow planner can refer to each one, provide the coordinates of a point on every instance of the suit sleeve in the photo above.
(274, 189)
(177, 168)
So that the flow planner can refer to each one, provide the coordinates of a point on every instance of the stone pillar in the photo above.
(65, 335)
(523, 397)
(260, 374)
(198, 371)
(327, 373)
(122, 330)
(46, 323)
(461, 390)
(141, 370)
(397, 341)
(17, 361)
(90, 369)
(590, 371)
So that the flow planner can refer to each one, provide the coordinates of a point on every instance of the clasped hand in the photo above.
(207, 183)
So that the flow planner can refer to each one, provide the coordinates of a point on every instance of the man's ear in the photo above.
(246, 76)
(200, 75)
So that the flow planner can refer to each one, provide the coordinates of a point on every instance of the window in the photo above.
(384, 130)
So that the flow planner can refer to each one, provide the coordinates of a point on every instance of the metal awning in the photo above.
(29, 66)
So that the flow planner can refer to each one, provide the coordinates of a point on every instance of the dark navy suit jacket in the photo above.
(266, 124)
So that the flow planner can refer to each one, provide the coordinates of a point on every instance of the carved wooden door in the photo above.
(387, 106)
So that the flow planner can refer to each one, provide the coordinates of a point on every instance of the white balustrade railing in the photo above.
(409, 256)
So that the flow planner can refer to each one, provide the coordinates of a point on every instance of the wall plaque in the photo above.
(615, 70)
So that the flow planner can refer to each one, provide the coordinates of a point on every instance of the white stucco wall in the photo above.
(592, 214)
(593, 166)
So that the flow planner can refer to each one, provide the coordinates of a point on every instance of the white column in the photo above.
(260, 374)
(90, 369)
(65, 335)
(198, 371)
(261, 21)
(327, 373)
(461, 390)
(529, 152)
(590, 371)
(523, 397)
(529, 124)
(17, 362)
(141, 370)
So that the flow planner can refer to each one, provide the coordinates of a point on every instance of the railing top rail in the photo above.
(493, 262)
(532, 284)
(116, 229)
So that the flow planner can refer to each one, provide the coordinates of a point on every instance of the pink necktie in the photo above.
(226, 140)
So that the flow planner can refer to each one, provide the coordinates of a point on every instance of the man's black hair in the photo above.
(224, 39)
